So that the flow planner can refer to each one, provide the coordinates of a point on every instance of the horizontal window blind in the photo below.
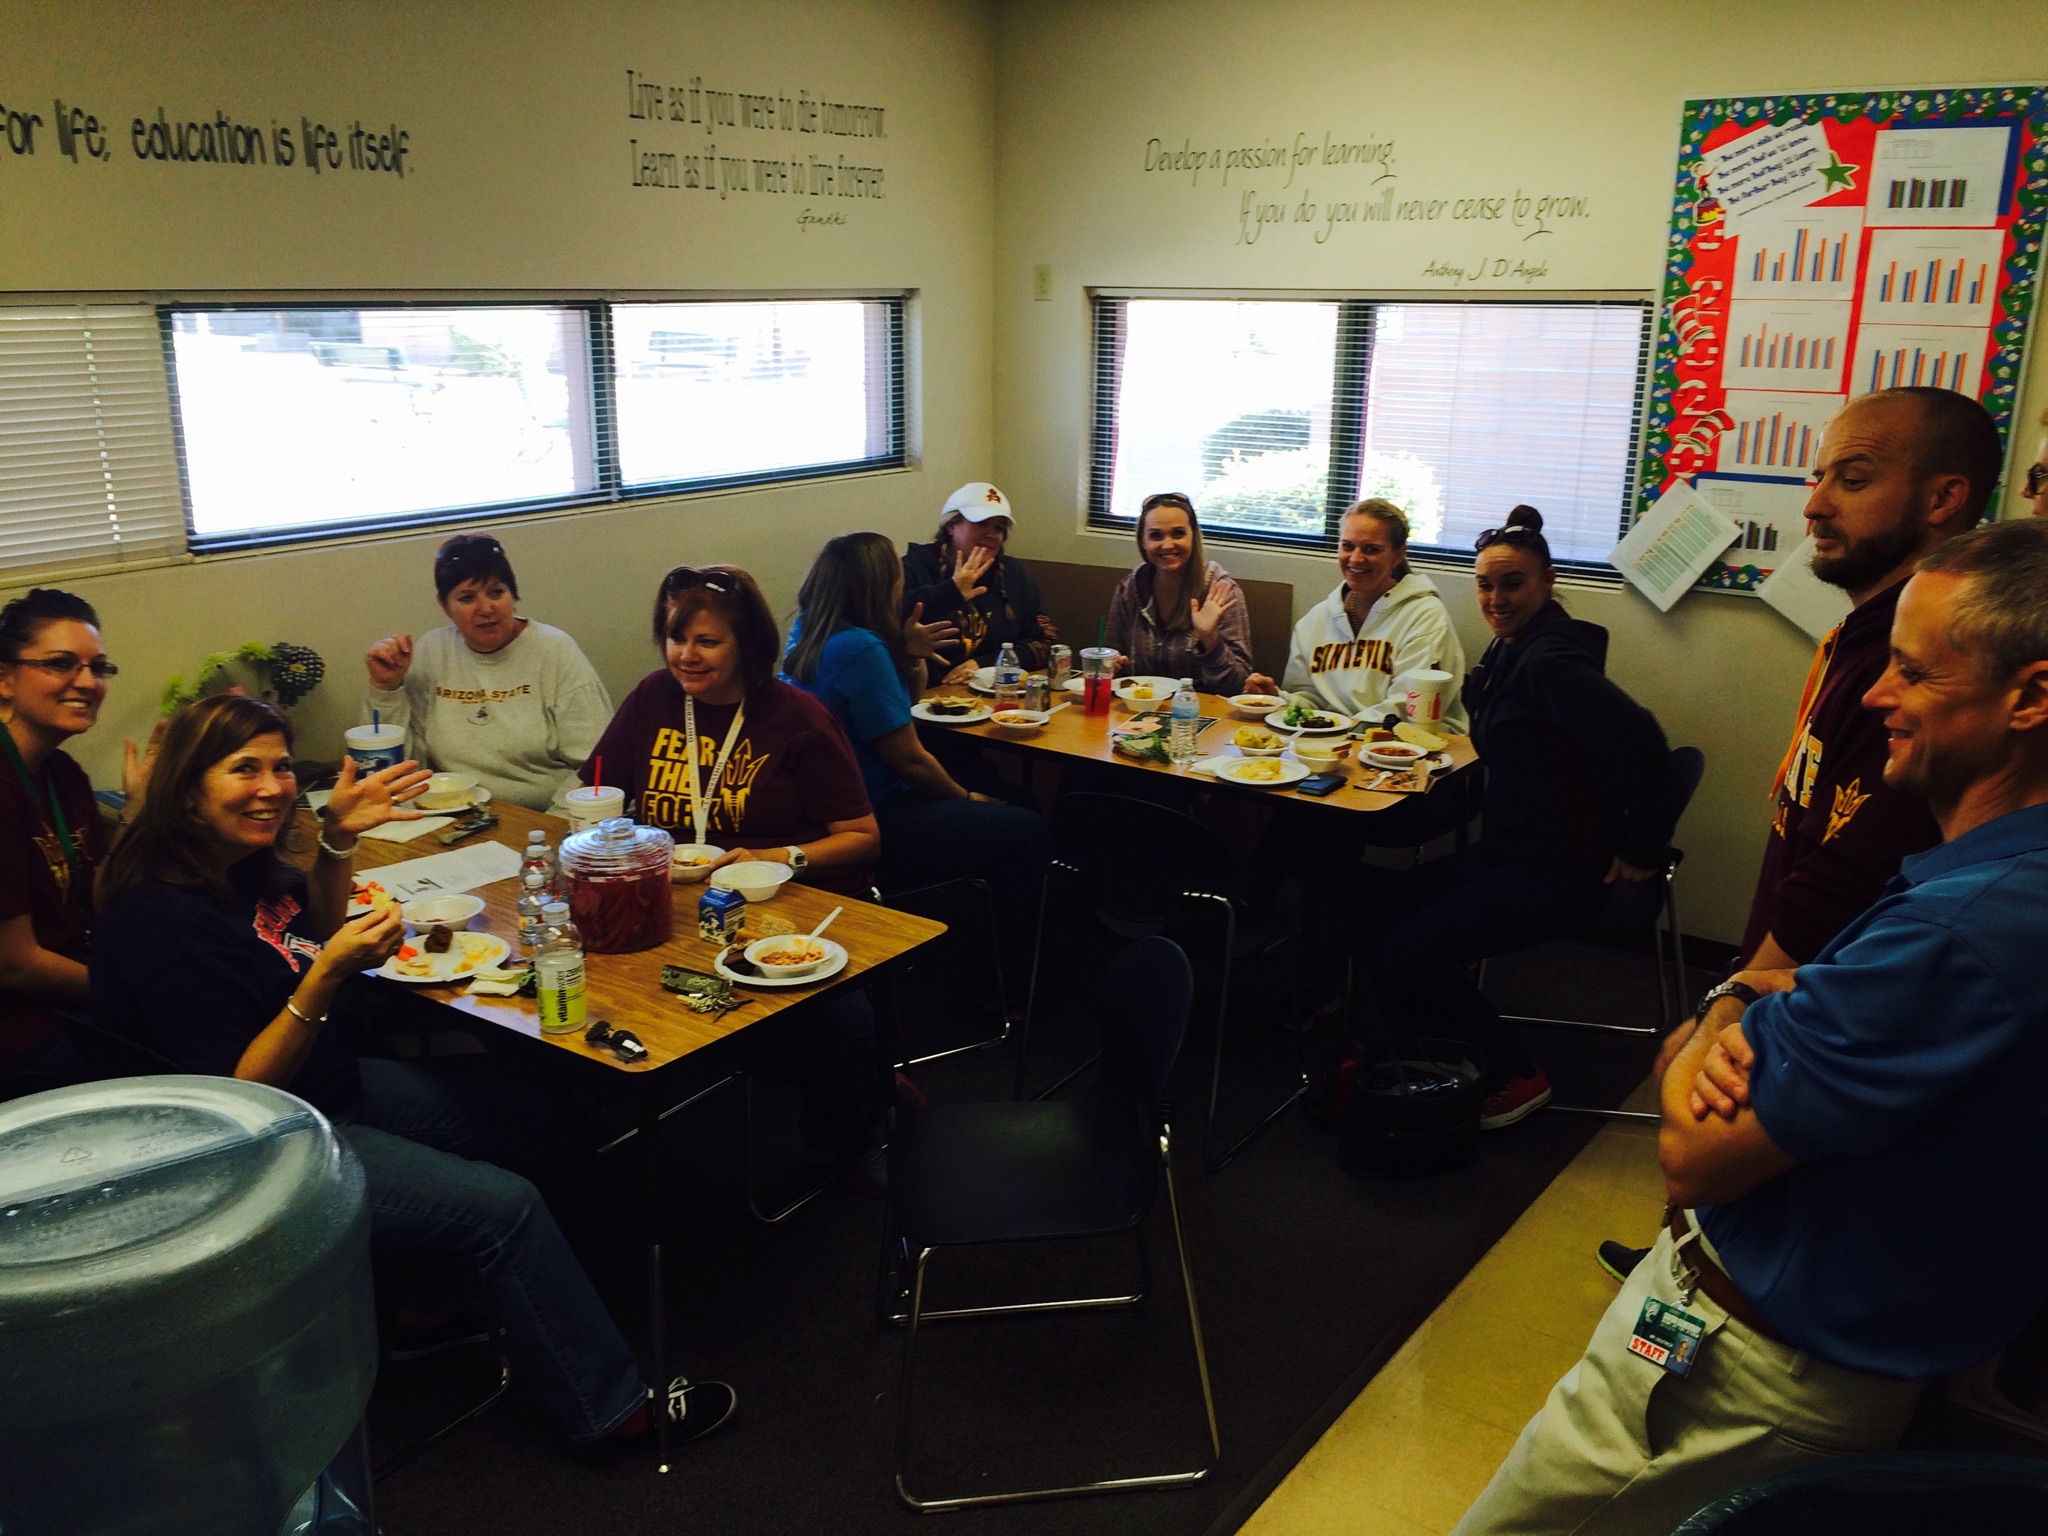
(88, 461)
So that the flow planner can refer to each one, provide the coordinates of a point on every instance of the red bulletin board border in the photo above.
(1689, 429)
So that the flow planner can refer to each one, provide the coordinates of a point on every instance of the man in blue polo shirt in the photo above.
(1837, 1137)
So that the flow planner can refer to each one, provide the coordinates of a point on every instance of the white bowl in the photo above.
(1255, 706)
(1279, 746)
(755, 879)
(1161, 699)
(685, 872)
(1019, 722)
(777, 943)
(1395, 755)
(447, 792)
(453, 911)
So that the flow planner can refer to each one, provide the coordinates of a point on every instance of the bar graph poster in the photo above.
(1824, 246)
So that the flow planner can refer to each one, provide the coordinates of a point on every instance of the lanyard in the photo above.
(47, 794)
(1809, 698)
(700, 807)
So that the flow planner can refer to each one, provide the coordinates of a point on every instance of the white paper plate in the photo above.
(922, 711)
(489, 951)
(824, 972)
(1341, 723)
(1290, 772)
(478, 796)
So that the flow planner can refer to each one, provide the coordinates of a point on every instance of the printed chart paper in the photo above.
(1825, 246)
(1671, 544)
(1794, 591)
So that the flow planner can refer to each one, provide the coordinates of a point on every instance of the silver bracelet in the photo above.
(291, 1007)
(331, 851)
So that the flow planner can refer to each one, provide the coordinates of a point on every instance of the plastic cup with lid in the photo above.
(588, 804)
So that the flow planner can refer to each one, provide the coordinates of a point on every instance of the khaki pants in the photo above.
(1624, 1448)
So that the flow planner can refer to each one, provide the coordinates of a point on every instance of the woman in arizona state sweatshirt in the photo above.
(1355, 650)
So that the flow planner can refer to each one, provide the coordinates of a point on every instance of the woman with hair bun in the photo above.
(1577, 797)
(510, 701)
(53, 679)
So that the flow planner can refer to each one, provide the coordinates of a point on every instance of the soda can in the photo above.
(719, 914)
(1037, 693)
(1062, 665)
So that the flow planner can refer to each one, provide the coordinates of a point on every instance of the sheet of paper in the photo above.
(1803, 597)
(1771, 514)
(1773, 169)
(1672, 544)
(441, 874)
(406, 831)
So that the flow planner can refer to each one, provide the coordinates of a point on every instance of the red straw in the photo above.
(597, 772)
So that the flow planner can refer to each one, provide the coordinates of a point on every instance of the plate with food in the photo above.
(1396, 754)
(442, 955)
(1255, 706)
(952, 709)
(1262, 772)
(1303, 720)
(732, 963)
(1256, 741)
(1142, 694)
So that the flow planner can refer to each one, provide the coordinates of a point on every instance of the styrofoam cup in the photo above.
(375, 746)
(588, 804)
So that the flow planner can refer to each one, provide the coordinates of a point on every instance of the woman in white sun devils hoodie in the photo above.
(1355, 651)
(510, 701)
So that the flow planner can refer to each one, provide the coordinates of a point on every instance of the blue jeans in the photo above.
(1462, 910)
(417, 1134)
(927, 841)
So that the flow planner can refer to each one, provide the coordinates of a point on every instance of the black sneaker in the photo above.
(1620, 1260)
(699, 1408)
(451, 1333)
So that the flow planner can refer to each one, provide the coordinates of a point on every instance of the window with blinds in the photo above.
(88, 464)
(1273, 416)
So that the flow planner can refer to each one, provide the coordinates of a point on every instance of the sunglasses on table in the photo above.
(68, 666)
(622, 1043)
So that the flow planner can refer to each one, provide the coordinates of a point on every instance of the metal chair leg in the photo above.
(408, 1454)
(1031, 986)
(753, 1195)
(1214, 1160)
(1001, 1008)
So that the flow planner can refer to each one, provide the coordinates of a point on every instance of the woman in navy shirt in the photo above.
(848, 648)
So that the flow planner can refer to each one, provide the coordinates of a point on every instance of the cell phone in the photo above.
(1321, 783)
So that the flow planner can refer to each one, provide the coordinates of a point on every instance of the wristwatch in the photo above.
(1728, 988)
(798, 860)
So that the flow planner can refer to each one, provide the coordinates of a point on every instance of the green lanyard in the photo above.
(57, 821)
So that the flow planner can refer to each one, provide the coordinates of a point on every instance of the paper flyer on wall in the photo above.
(1672, 544)
(1803, 597)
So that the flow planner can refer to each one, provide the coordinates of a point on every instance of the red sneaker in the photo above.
(1520, 1099)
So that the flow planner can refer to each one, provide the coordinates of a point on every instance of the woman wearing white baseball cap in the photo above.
(963, 577)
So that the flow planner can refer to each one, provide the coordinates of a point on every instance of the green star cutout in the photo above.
(1839, 177)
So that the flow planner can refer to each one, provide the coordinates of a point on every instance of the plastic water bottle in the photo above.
(532, 907)
(1186, 723)
(539, 856)
(1009, 680)
(558, 971)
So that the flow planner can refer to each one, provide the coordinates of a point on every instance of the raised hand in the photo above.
(968, 573)
(960, 675)
(136, 766)
(358, 804)
(923, 640)
(388, 661)
(1208, 614)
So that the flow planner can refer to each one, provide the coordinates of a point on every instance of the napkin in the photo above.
(406, 831)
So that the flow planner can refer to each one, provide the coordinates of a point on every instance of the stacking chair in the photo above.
(1039, 1170)
(1143, 869)
(940, 900)
(1642, 907)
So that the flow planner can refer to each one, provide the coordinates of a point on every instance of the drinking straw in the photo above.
(597, 772)
(1101, 630)
(376, 723)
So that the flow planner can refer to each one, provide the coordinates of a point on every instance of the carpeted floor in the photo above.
(1307, 1278)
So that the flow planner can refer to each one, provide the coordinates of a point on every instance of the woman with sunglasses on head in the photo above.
(1355, 651)
(53, 680)
(963, 578)
(1577, 797)
(511, 702)
(847, 649)
(717, 749)
(221, 955)
(1179, 614)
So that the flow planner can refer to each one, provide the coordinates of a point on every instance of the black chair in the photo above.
(1644, 907)
(932, 901)
(1145, 869)
(1037, 1170)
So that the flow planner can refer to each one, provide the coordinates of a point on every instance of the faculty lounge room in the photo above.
(1148, 768)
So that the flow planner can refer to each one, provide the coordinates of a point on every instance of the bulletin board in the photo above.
(1823, 246)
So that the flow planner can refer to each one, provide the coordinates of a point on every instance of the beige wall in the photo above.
(1481, 100)
(518, 180)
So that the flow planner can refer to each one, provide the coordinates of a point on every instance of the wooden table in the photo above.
(1074, 736)
(681, 1044)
